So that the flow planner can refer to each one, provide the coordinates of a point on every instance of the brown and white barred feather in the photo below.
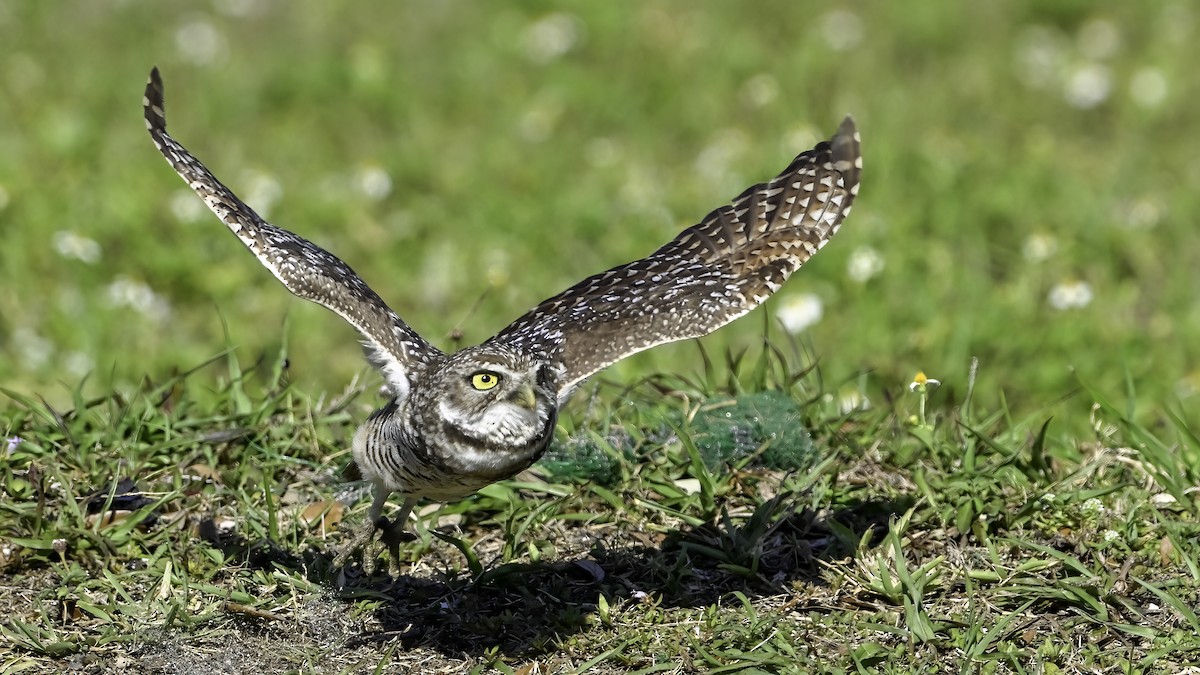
(306, 269)
(709, 275)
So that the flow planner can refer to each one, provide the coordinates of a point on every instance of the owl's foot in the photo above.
(391, 534)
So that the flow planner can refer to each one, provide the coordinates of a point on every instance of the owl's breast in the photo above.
(441, 461)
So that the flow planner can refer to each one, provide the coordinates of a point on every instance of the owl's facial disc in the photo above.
(498, 404)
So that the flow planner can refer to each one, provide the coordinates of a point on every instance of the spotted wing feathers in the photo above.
(709, 275)
(305, 269)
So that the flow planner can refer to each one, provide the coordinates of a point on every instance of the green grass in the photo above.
(970, 542)
(1039, 515)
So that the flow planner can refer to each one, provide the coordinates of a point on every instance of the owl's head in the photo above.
(496, 397)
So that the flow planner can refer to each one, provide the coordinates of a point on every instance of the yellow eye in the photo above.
(484, 380)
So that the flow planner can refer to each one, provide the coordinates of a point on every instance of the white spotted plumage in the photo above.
(441, 436)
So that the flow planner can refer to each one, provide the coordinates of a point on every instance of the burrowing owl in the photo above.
(457, 422)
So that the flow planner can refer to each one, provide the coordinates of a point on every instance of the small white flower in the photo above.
(1188, 385)
(716, 159)
(865, 264)
(761, 90)
(77, 364)
(1039, 246)
(262, 191)
(74, 246)
(124, 292)
(1088, 85)
(922, 383)
(1110, 536)
(1092, 507)
(799, 312)
(1039, 56)
(373, 182)
(12, 442)
(1148, 87)
(1070, 295)
(551, 36)
(852, 400)
(33, 349)
(199, 42)
(185, 207)
(1141, 214)
(842, 30)
(800, 136)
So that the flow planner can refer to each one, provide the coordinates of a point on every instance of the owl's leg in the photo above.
(392, 534)
(395, 533)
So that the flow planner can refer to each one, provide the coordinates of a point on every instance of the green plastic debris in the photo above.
(766, 425)
(728, 430)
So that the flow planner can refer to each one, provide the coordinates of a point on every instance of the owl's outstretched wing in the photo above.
(709, 275)
(305, 269)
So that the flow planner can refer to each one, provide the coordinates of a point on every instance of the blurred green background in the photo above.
(1029, 194)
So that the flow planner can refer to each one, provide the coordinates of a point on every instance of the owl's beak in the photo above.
(524, 397)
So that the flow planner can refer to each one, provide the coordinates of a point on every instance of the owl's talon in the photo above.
(360, 540)
(392, 534)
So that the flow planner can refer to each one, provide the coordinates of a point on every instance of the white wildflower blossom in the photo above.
(800, 136)
(842, 29)
(1188, 385)
(262, 191)
(551, 36)
(799, 312)
(74, 246)
(760, 90)
(1039, 246)
(185, 207)
(498, 268)
(1072, 294)
(864, 264)
(1148, 87)
(1088, 85)
(199, 42)
(1140, 214)
(32, 349)
(852, 400)
(716, 159)
(1039, 56)
(77, 364)
(373, 182)
(1111, 536)
(923, 383)
(125, 292)
(637, 192)
(1092, 507)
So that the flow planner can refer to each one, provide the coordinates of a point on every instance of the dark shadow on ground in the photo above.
(518, 609)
